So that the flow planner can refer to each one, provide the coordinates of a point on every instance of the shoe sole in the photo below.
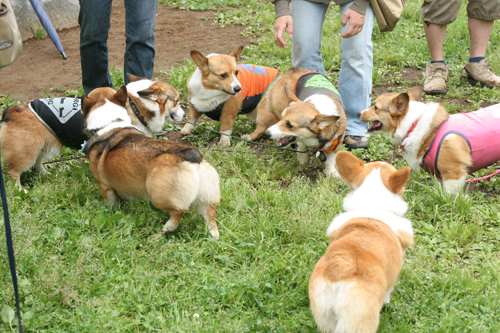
(473, 81)
(436, 92)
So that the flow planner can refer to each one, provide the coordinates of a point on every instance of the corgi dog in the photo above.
(448, 146)
(221, 89)
(356, 275)
(312, 116)
(129, 164)
(34, 132)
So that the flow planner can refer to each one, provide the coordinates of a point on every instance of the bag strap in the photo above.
(10, 248)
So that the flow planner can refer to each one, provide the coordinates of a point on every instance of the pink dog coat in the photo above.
(481, 130)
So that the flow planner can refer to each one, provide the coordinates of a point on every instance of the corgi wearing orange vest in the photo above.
(221, 89)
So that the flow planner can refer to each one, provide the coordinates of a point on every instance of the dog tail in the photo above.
(344, 307)
(8, 113)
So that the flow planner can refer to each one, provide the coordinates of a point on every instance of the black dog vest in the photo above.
(312, 83)
(63, 118)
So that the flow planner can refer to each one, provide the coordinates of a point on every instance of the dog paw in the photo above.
(215, 233)
(332, 173)
(246, 137)
(187, 129)
(169, 227)
(224, 141)
(303, 158)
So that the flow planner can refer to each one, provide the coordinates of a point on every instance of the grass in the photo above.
(86, 267)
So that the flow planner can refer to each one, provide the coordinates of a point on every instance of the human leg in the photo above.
(94, 20)
(140, 17)
(437, 14)
(308, 18)
(481, 15)
(355, 78)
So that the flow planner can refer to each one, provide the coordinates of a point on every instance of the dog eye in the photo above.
(288, 125)
(236, 73)
(224, 76)
(376, 108)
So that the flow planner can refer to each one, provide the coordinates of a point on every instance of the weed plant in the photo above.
(86, 267)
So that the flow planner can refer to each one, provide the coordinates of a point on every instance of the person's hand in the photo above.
(356, 22)
(283, 23)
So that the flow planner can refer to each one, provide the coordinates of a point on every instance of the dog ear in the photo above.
(237, 53)
(149, 93)
(400, 104)
(121, 96)
(322, 121)
(201, 61)
(415, 93)
(349, 167)
(87, 104)
(133, 78)
(398, 180)
(291, 96)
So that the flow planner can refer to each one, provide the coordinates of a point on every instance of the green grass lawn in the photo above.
(86, 267)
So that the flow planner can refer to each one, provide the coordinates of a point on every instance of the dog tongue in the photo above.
(281, 141)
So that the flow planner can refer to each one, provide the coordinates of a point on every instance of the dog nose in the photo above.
(358, 115)
(237, 89)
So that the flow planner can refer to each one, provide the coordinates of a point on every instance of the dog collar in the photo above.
(321, 153)
(137, 113)
(409, 131)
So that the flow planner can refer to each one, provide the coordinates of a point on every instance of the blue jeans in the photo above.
(356, 69)
(94, 20)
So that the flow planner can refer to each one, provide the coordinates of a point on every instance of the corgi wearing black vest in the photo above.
(35, 132)
(303, 106)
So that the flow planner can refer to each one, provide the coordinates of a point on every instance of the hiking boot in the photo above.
(355, 141)
(436, 75)
(481, 72)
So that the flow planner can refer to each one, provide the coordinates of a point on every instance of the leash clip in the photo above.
(321, 155)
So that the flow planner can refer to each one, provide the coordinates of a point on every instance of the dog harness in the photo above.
(481, 130)
(62, 117)
(254, 80)
(315, 83)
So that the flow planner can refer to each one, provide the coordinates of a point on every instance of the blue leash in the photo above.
(10, 248)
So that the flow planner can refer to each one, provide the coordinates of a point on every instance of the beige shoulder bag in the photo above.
(387, 13)
(10, 38)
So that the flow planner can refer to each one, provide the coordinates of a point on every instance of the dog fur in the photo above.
(356, 275)
(413, 125)
(26, 142)
(317, 123)
(129, 164)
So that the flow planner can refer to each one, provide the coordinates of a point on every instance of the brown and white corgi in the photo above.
(221, 89)
(34, 132)
(356, 275)
(312, 116)
(449, 146)
(129, 164)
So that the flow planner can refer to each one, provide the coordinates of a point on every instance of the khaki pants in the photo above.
(446, 11)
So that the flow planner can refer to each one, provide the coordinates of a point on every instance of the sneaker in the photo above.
(481, 72)
(355, 141)
(436, 76)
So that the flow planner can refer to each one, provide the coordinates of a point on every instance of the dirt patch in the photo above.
(40, 67)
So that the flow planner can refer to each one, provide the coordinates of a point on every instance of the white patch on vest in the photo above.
(412, 143)
(105, 115)
(324, 104)
(372, 199)
(63, 108)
